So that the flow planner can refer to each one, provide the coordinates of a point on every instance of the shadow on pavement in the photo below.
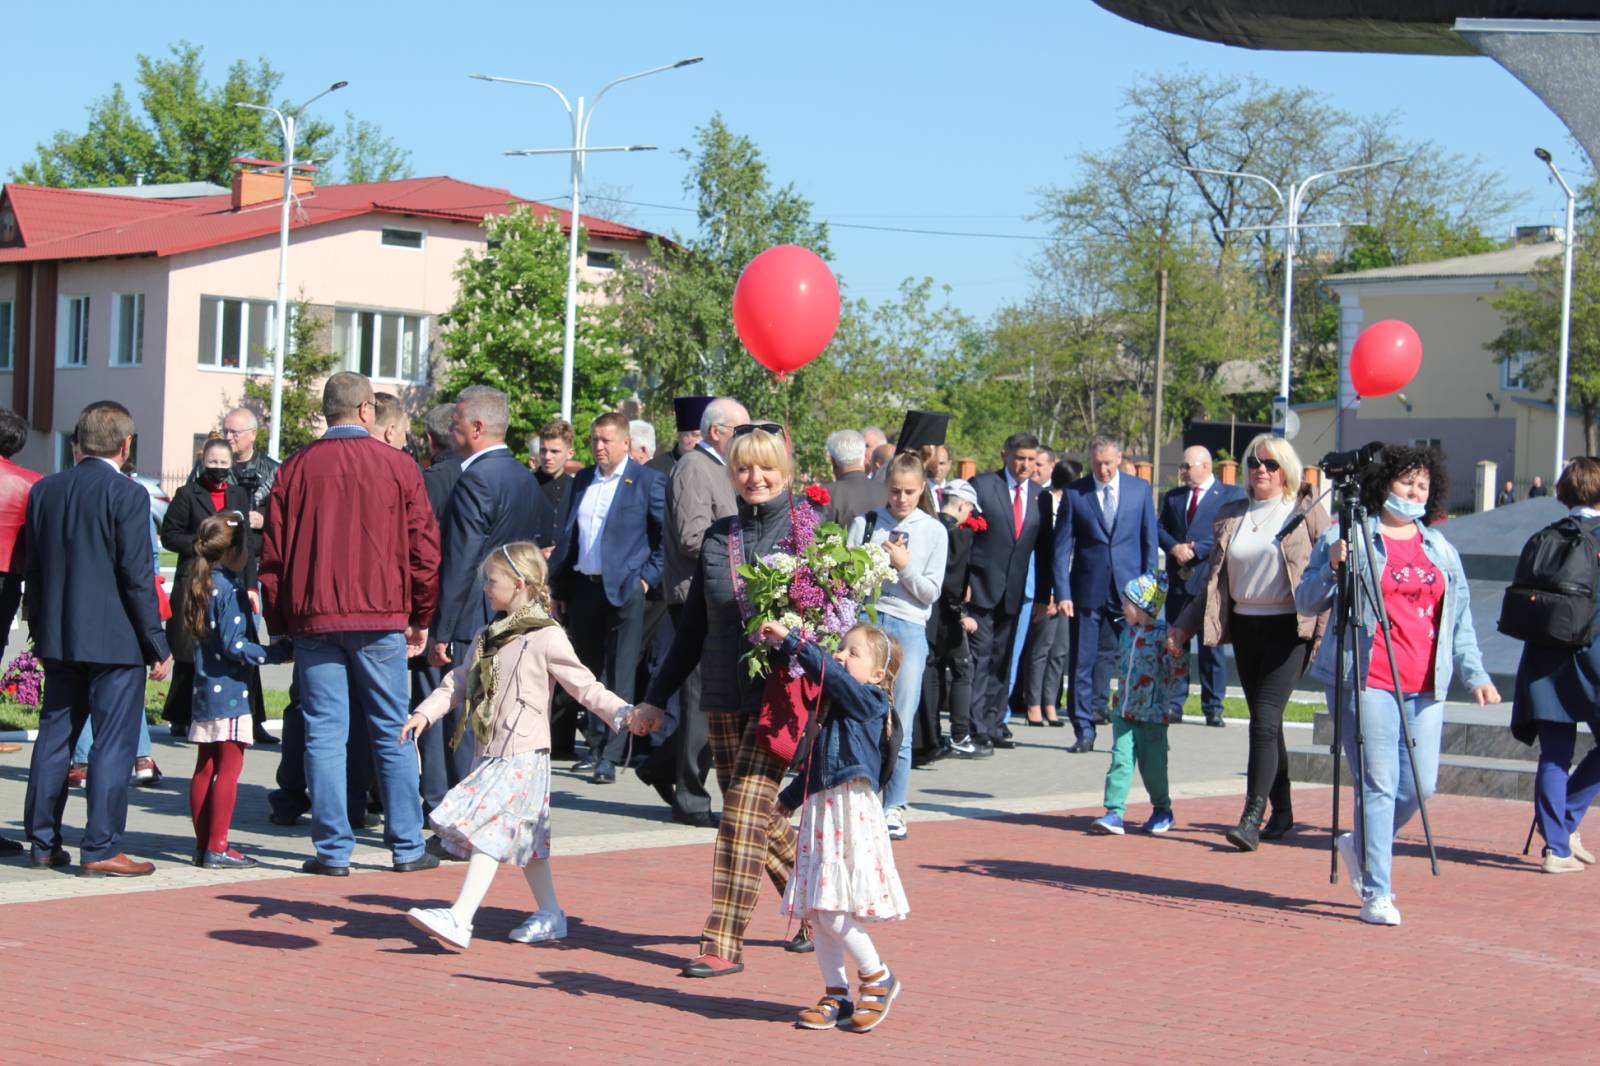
(582, 983)
(263, 938)
(387, 924)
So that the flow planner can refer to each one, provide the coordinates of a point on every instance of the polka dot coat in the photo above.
(230, 651)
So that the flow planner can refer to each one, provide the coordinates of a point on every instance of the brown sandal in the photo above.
(834, 1007)
(873, 1001)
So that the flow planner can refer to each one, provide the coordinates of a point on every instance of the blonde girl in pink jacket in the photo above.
(500, 812)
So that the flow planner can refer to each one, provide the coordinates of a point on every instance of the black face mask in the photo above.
(214, 476)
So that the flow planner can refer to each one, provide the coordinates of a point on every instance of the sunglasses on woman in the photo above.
(765, 427)
(1256, 464)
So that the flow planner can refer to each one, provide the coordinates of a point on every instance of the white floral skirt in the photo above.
(502, 808)
(843, 859)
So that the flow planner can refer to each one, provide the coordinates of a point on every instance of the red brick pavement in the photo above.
(1030, 941)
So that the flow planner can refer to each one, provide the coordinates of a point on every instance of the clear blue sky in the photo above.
(937, 115)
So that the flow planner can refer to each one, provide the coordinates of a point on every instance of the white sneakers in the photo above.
(895, 819)
(1561, 864)
(1352, 861)
(441, 924)
(1579, 852)
(1380, 911)
(541, 926)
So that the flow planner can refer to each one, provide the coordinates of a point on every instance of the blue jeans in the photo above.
(1388, 796)
(1560, 801)
(913, 640)
(333, 671)
(80, 751)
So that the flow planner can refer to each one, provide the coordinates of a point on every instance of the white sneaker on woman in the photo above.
(1352, 862)
(541, 926)
(894, 819)
(442, 924)
(1380, 911)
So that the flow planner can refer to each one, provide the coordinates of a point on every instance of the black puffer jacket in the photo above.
(710, 632)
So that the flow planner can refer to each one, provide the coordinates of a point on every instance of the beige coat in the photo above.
(530, 667)
(1212, 607)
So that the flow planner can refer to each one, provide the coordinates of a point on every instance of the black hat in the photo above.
(921, 428)
(688, 410)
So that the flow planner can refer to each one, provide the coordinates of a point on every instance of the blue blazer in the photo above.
(91, 586)
(440, 481)
(997, 571)
(495, 501)
(230, 653)
(1092, 566)
(630, 544)
(1174, 528)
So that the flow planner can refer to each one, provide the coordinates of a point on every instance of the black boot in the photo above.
(1246, 836)
(1280, 823)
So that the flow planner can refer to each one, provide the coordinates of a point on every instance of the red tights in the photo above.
(213, 791)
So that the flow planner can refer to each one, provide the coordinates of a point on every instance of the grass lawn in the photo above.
(14, 716)
(1236, 708)
(169, 558)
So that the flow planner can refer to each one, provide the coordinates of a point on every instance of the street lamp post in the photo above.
(1292, 204)
(581, 117)
(1566, 314)
(280, 340)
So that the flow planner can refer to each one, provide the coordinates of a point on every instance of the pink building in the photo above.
(164, 300)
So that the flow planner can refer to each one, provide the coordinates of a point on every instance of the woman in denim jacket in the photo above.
(1424, 592)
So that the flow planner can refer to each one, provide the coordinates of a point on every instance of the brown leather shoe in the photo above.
(119, 865)
(6, 747)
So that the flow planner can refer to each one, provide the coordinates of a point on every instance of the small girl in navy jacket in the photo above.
(844, 869)
(216, 613)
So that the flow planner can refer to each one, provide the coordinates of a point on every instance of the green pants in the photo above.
(1144, 743)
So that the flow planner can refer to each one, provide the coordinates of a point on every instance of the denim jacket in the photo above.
(853, 720)
(230, 652)
(1457, 640)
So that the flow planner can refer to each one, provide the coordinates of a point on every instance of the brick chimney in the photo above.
(251, 187)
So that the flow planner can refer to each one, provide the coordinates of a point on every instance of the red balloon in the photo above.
(1385, 358)
(786, 307)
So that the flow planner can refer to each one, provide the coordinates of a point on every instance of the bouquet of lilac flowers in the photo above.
(23, 680)
(813, 583)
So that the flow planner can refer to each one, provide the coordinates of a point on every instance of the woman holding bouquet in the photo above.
(917, 545)
(754, 834)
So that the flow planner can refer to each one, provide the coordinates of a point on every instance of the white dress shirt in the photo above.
(475, 456)
(592, 511)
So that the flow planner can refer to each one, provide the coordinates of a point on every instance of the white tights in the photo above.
(839, 938)
(480, 874)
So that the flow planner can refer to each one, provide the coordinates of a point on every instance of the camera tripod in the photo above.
(1360, 585)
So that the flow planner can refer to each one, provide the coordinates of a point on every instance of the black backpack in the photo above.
(1551, 601)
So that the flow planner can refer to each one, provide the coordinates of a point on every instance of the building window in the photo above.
(72, 332)
(63, 451)
(8, 332)
(604, 260)
(403, 238)
(383, 345)
(127, 329)
(1514, 370)
(1432, 444)
(236, 334)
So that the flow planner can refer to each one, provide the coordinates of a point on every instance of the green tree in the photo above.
(183, 128)
(306, 366)
(505, 328)
(1532, 332)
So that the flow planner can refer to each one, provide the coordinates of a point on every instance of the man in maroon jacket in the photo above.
(350, 571)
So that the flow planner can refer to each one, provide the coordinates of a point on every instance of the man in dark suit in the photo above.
(997, 576)
(851, 492)
(444, 464)
(92, 613)
(1185, 534)
(496, 500)
(608, 557)
(1105, 536)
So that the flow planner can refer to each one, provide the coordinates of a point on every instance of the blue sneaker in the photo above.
(1160, 820)
(1109, 823)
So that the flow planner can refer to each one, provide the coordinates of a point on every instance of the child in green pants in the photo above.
(1145, 675)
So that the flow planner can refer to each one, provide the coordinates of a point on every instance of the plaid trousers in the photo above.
(753, 834)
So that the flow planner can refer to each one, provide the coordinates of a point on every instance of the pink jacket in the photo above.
(529, 668)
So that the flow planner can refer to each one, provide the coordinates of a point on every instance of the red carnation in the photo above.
(976, 523)
(818, 495)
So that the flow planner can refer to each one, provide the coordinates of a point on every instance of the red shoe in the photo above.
(146, 773)
(711, 966)
(76, 775)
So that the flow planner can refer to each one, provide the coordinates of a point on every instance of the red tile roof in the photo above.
(69, 224)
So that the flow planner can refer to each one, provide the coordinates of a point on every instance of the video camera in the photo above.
(1341, 466)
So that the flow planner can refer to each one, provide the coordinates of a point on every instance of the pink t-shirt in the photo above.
(1413, 590)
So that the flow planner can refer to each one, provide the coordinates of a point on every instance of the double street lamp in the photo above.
(580, 117)
(280, 342)
(1566, 314)
(1292, 204)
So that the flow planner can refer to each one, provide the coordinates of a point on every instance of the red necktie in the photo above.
(1016, 511)
(1194, 505)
